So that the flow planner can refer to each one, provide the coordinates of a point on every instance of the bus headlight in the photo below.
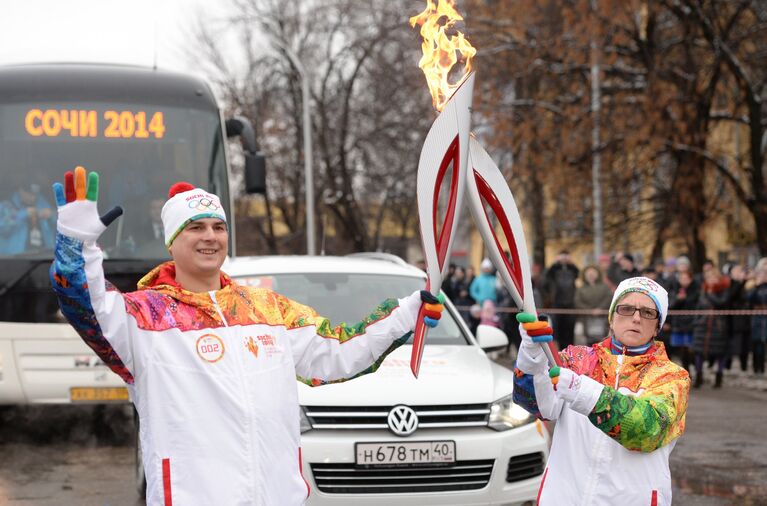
(505, 415)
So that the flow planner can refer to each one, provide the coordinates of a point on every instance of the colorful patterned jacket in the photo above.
(213, 375)
(618, 454)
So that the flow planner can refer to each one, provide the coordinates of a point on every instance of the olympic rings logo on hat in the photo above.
(649, 284)
(203, 204)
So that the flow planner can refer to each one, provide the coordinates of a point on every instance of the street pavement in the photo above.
(83, 455)
(722, 457)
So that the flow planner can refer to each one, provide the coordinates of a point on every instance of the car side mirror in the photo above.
(255, 173)
(490, 337)
(255, 162)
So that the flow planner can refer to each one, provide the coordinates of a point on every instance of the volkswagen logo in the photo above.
(402, 420)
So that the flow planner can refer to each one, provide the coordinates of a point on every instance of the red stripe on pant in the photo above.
(301, 471)
(166, 482)
(540, 489)
(654, 500)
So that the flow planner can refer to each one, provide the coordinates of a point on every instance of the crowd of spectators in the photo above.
(726, 335)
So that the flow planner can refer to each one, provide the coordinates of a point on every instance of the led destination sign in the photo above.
(88, 123)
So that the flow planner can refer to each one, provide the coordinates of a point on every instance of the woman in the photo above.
(684, 297)
(619, 404)
(593, 294)
(710, 331)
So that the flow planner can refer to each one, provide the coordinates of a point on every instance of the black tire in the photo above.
(139, 461)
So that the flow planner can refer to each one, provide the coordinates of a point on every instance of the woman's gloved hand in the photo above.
(581, 392)
(78, 214)
(531, 359)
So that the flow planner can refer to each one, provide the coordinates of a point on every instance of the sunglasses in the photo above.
(644, 312)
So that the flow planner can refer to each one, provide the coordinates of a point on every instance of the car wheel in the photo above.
(139, 467)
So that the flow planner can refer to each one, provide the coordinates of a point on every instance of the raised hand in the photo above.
(77, 209)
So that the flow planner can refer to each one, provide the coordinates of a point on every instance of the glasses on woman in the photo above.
(644, 312)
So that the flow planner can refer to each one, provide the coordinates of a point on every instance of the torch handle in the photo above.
(551, 354)
(419, 339)
(549, 348)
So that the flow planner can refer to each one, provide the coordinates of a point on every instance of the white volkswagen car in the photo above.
(452, 436)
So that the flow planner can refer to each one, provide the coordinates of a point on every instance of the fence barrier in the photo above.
(603, 312)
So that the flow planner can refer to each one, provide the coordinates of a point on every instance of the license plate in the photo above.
(392, 453)
(102, 394)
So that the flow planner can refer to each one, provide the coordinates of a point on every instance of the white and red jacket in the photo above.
(213, 375)
(612, 443)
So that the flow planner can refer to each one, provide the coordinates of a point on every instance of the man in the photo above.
(25, 222)
(219, 420)
(448, 282)
(620, 404)
(623, 268)
(560, 289)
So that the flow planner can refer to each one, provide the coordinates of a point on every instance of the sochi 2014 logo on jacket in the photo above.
(210, 348)
(264, 344)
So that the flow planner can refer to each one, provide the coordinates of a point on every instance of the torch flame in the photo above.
(439, 50)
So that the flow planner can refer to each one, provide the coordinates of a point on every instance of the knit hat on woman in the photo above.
(647, 286)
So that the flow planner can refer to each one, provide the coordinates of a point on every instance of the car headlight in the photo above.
(505, 415)
(306, 425)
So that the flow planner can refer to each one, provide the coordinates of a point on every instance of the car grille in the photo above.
(351, 479)
(374, 417)
(522, 467)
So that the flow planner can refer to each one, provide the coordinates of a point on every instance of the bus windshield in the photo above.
(139, 150)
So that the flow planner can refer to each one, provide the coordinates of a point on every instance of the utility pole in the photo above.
(596, 155)
(308, 169)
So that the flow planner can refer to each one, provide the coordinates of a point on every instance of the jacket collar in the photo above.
(163, 279)
(656, 351)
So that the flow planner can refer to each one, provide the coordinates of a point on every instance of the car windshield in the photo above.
(348, 298)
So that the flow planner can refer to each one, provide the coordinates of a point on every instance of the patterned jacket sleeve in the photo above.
(93, 307)
(324, 354)
(536, 394)
(647, 422)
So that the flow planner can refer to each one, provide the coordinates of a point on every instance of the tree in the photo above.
(666, 70)
(370, 112)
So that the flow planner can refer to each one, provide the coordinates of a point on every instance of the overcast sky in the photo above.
(116, 31)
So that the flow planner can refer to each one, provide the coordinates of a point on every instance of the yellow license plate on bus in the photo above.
(98, 394)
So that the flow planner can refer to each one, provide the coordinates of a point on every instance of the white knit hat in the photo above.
(187, 203)
(647, 286)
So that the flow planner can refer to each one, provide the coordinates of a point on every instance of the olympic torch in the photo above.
(446, 146)
(487, 187)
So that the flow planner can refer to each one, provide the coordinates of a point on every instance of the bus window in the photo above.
(139, 151)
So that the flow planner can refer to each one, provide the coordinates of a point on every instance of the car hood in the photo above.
(448, 375)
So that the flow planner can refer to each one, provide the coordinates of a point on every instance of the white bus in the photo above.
(141, 129)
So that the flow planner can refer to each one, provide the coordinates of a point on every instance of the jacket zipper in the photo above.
(248, 396)
(600, 449)
(621, 357)
(218, 309)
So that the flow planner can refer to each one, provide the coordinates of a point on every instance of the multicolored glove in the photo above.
(78, 213)
(581, 392)
(531, 359)
(433, 308)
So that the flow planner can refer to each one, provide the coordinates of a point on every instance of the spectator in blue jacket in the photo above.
(484, 286)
